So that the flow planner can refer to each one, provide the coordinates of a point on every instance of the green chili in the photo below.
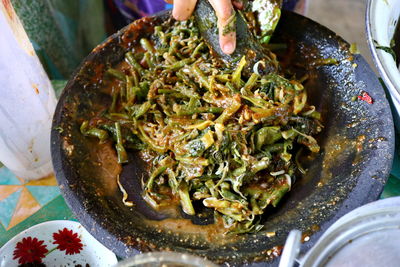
(132, 61)
(228, 112)
(236, 76)
(117, 74)
(147, 45)
(122, 155)
(186, 203)
(208, 130)
(201, 77)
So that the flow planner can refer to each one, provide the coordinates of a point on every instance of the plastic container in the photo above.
(27, 102)
(367, 236)
(165, 259)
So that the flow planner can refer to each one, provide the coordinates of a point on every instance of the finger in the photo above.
(226, 24)
(183, 9)
(238, 4)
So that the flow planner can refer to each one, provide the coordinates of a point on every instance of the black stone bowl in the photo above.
(357, 150)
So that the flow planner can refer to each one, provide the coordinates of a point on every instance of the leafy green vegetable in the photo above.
(209, 133)
(387, 49)
(267, 136)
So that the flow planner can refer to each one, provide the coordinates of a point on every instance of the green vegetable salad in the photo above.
(210, 134)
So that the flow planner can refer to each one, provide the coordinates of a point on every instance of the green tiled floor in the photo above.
(57, 209)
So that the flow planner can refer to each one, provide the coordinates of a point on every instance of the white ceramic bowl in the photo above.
(56, 243)
(381, 19)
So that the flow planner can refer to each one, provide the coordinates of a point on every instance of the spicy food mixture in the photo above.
(209, 133)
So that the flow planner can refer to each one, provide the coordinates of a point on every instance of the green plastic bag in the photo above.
(62, 32)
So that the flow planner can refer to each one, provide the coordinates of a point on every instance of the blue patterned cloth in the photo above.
(291, 4)
(134, 9)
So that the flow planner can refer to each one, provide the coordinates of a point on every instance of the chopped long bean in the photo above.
(122, 155)
(210, 132)
(117, 74)
(132, 61)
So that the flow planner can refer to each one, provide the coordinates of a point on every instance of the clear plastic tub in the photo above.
(27, 102)
(165, 259)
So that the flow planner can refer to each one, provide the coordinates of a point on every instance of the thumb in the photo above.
(226, 24)
(183, 9)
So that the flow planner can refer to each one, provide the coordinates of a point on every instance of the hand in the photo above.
(183, 9)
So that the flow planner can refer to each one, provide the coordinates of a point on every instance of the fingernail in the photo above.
(238, 4)
(178, 16)
(228, 48)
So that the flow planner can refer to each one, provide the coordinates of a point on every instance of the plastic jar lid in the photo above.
(161, 259)
(367, 236)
